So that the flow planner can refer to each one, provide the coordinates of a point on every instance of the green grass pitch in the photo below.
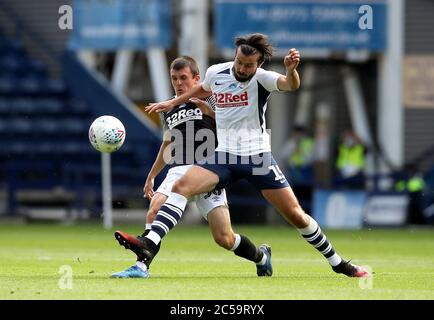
(36, 258)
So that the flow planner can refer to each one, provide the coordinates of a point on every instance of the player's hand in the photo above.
(292, 60)
(148, 189)
(164, 106)
(200, 103)
(203, 106)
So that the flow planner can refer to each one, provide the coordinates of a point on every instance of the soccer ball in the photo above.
(107, 134)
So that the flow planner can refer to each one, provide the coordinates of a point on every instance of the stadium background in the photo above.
(58, 74)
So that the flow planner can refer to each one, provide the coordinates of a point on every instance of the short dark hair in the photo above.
(255, 43)
(185, 62)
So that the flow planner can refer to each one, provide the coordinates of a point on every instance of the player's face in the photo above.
(183, 80)
(245, 66)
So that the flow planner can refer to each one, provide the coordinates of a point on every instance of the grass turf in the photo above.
(191, 267)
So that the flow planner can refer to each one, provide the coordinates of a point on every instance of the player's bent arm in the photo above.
(290, 82)
(159, 162)
(197, 91)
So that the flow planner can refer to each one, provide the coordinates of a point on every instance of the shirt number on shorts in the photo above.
(277, 172)
(216, 192)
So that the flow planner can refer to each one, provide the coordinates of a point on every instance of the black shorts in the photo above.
(260, 170)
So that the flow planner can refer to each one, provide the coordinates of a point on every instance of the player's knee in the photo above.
(224, 239)
(297, 216)
(181, 187)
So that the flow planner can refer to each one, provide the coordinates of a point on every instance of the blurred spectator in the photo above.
(298, 156)
(413, 184)
(350, 162)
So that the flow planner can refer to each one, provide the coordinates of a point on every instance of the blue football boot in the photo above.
(265, 270)
(131, 272)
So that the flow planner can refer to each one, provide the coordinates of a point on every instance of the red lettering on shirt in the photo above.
(229, 100)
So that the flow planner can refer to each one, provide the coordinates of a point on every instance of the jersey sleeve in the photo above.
(211, 101)
(207, 81)
(268, 79)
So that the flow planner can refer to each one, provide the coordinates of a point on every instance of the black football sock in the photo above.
(246, 249)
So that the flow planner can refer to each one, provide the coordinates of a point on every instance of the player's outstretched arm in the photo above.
(291, 81)
(165, 106)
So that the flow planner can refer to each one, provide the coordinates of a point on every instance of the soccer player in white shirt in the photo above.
(182, 125)
(241, 88)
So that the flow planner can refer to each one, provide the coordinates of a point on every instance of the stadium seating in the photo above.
(45, 140)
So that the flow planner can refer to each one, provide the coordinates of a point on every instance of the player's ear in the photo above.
(197, 77)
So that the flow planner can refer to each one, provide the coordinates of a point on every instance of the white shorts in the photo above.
(205, 202)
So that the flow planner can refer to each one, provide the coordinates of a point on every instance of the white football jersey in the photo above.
(240, 108)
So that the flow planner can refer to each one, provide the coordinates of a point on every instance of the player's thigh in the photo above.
(172, 176)
(263, 172)
(157, 201)
(207, 202)
(285, 201)
(195, 181)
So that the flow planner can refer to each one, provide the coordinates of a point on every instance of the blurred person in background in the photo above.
(181, 126)
(298, 154)
(412, 182)
(350, 162)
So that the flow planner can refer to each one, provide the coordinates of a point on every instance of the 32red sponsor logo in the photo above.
(231, 100)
